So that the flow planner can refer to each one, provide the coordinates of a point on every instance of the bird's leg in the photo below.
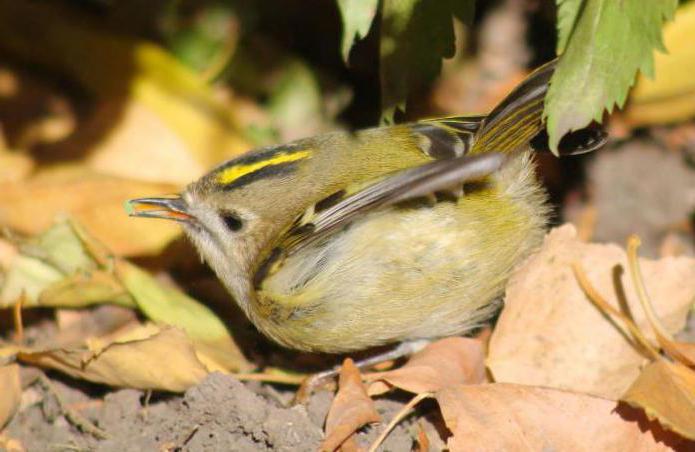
(311, 383)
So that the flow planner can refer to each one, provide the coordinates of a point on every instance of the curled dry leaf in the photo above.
(94, 199)
(146, 357)
(666, 391)
(10, 392)
(447, 362)
(351, 409)
(550, 334)
(504, 416)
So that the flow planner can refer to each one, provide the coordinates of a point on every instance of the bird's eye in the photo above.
(232, 221)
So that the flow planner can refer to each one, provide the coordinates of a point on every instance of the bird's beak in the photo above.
(172, 208)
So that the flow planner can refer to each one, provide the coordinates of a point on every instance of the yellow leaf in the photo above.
(147, 358)
(666, 392)
(10, 392)
(670, 97)
(94, 199)
(172, 307)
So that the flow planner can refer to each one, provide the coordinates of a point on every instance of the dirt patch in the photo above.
(220, 413)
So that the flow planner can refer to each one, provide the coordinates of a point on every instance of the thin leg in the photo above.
(319, 379)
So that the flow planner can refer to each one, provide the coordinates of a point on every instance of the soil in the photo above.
(221, 413)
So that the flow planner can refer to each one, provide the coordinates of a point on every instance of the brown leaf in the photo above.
(666, 391)
(550, 334)
(508, 416)
(10, 392)
(95, 200)
(144, 358)
(351, 409)
(447, 362)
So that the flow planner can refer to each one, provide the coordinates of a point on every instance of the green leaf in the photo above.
(357, 16)
(609, 42)
(567, 14)
(167, 305)
(415, 36)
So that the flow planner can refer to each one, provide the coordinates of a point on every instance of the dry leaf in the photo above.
(550, 334)
(14, 166)
(86, 288)
(7, 253)
(144, 358)
(95, 200)
(72, 269)
(10, 392)
(214, 345)
(670, 97)
(666, 391)
(158, 121)
(351, 409)
(447, 362)
(507, 416)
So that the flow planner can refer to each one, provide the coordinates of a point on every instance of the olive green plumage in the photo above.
(342, 242)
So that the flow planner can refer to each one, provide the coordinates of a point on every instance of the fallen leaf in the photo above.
(506, 416)
(7, 253)
(351, 409)
(10, 393)
(85, 288)
(69, 268)
(666, 391)
(27, 277)
(14, 166)
(94, 199)
(143, 358)
(156, 119)
(170, 306)
(670, 96)
(447, 362)
(563, 341)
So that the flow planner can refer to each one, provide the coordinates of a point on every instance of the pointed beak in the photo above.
(172, 208)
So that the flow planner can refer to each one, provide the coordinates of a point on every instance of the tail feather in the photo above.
(519, 117)
(514, 123)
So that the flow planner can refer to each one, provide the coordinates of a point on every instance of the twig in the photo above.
(633, 242)
(72, 416)
(17, 311)
(399, 417)
(603, 305)
(294, 380)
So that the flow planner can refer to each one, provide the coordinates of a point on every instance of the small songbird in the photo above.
(346, 241)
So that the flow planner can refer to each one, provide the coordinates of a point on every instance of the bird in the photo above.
(347, 241)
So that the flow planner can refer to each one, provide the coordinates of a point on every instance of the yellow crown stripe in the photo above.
(229, 175)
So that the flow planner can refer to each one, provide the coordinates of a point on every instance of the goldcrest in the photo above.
(347, 241)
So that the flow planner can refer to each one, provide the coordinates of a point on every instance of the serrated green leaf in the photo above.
(567, 13)
(357, 16)
(415, 36)
(610, 42)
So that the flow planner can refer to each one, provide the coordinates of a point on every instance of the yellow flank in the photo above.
(233, 173)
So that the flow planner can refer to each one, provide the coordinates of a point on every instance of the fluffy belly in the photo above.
(409, 272)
